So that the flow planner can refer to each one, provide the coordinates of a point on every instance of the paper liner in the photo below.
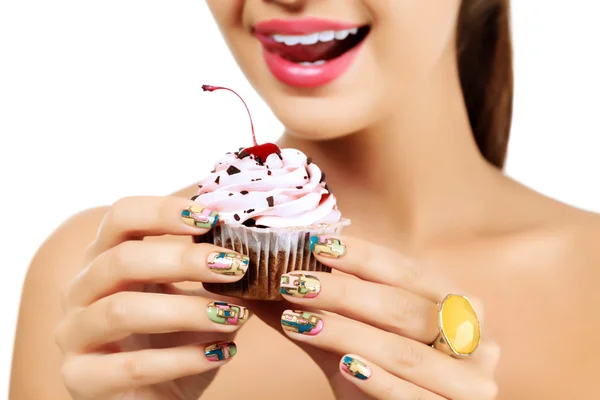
(272, 252)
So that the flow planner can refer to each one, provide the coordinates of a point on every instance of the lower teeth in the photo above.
(310, 64)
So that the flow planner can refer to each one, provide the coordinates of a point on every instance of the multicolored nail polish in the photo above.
(327, 246)
(200, 217)
(220, 351)
(356, 368)
(227, 314)
(301, 322)
(299, 285)
(228, 263)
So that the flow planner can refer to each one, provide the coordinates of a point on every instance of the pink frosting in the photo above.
(286, 191)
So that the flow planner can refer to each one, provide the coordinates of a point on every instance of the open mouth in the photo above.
(316, 48)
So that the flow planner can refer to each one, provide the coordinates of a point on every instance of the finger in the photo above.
(137, 217)
(375, 263)
(115, 317)
(380, 384)
(153, 262)
(407, 359)
(391, 309)
(98, 376)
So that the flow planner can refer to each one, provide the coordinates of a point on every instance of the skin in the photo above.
(446, 220)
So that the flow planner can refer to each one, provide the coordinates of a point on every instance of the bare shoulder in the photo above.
(36, 357)
(544, 301)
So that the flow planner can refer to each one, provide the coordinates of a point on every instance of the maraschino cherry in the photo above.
(260, 152)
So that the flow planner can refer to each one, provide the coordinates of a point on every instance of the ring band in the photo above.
(460, 329)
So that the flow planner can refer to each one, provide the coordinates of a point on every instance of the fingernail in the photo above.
(227, 314)
(228, 263)
(220, 351)
(300, 285)
(200, 217)
(327, 246)
(301, 322)
(356, 368)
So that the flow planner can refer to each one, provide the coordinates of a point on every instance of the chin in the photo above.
(328, 115)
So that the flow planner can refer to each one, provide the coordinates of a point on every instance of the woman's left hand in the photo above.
(382, 326)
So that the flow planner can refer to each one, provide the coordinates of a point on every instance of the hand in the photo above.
(127, 331)
(383, 327)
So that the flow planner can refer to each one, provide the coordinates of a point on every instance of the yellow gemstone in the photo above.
(460, 324)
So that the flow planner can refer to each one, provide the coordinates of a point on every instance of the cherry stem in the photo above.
(209, 88)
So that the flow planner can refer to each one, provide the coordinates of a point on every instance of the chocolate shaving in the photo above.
(218, 180)
(236, 217)
(244, 192)
(243, 154)
(195, 197)
(250, 223)
(309, 161)
(271, 201)
(232, 170)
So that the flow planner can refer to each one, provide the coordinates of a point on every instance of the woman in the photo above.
(410, 106)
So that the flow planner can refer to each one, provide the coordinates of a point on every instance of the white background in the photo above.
(102, 99)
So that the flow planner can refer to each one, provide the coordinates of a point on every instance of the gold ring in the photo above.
(460, 329)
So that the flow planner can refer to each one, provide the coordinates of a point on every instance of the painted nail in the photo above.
(301, 322)
(220, 351)
(227, 314)
(200, 217)
(300, 285)
(327, 246)
(228, 263)
(356, 368)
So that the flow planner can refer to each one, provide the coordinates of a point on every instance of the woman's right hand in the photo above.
(127, 331)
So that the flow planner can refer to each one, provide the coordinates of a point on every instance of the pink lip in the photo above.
(313, 76)
(300, 26)
(294, 74)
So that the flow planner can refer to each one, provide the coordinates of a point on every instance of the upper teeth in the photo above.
(326, 36)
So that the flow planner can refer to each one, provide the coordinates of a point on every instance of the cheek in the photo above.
(412, 35)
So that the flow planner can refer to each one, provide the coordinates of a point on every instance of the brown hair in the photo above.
(486, 73)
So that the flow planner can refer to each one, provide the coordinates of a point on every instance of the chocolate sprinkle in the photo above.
(309, 161)
(236, 217)
(250, 210)
(231, 194)
(195, 197)
(244, 192)
(250, 223)
(218, 180)
(271, 201)
(269, 173)
(279, 155)
(298, 187)
(233, 170)
(199, 186)
(322, 178)
(306, 177)
(213, 171)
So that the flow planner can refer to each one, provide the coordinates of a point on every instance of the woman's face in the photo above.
(328, 68)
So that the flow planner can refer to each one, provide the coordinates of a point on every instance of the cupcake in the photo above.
(271, 202)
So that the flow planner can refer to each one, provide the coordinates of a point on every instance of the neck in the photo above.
(420, 167)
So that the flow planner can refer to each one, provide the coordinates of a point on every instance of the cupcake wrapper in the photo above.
(272, 252)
